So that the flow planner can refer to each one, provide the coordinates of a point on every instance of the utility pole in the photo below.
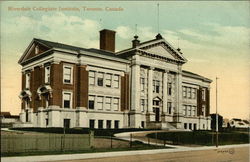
(217, 129)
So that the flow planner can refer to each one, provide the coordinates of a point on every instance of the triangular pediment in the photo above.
(34, 49)
(162, 48)
(161, 51)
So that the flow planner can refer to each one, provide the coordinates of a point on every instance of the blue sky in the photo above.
(214, 37)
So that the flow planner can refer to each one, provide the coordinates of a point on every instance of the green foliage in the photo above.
(201, 137)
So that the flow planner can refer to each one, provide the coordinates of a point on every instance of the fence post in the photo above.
(156, 138)
(111, 141)
(130, 140)
(148, 141)
(164, 142)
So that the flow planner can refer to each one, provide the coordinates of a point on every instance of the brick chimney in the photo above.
(107, 40)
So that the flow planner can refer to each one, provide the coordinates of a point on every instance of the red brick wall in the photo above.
(207, 102)
(200, 102)
(107, 40)
(125, 92)
(82, 87)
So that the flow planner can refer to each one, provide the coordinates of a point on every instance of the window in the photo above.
(169, 89)
(189, 110)
(185, 125)
(190, 125)
(91, 123)
(46, 122)
(194, 110)
(116, 124)
(195, 126)
(46, 101)
(108, 103)
(169, 107)
(47, 74)
(91, 102)
(156, 85)
(143, 84)
(142, 124)
(100, 124)
(184, 92)
(99, 103)
(91, 78)
(184, 110)
(100, 79)
(203, 110)
(156, 103)
(142, 105)
(67, 74)
(67, 98)
(203, 95)
(116, 81)
(116, 104)
(193, 93)
(36, 49)
(108, 80)
(188, 92)
(108, 124)
(27, 77)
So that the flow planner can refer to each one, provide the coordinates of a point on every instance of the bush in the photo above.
(201, 137)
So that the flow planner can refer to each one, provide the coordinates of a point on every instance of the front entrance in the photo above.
(156, 108)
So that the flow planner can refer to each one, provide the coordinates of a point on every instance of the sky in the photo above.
(213, 36)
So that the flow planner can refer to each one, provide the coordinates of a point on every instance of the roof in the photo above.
(5, 114)
(58, 45)
(236, 119)
(75, 48)
(191, 74)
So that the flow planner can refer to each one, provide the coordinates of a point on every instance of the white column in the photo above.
(179, 94)
(135, 93)
(150, 89)
(165, 92)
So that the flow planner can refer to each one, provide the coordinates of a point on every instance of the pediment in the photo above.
(161, 51)
(34, 49)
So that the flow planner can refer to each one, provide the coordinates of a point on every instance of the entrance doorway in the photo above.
(156, 108)
(157, 114)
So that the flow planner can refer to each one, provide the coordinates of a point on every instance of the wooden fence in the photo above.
(45, 142)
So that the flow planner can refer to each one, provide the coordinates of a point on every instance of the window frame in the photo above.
(92, 101)
(108, 80)
(100, 80)
(71, 99)
(99, 103)
(71, 74)
(109, 103)
(116, 81)
(118, 102)
(92, 77)
(27, 80)
(142, 83)
(47, 72)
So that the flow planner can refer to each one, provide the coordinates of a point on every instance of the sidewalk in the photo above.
(111, 154)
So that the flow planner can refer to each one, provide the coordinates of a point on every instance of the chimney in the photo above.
(107, 40)
(135, 42)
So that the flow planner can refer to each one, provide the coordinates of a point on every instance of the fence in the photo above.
(45, 142)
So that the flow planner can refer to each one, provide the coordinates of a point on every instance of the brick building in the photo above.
(143, 86)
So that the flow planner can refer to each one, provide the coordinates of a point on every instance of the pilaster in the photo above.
(135, 88)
